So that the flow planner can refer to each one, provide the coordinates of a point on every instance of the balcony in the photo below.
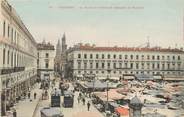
(11, 70)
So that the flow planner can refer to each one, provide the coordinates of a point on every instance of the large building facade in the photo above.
(45, 63)
(18, 57)
(123, 61)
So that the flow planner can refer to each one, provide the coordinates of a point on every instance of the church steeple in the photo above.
(58, 48)
(64, 46)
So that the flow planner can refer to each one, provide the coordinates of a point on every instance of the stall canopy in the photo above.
(87, 114)
(144, 77)
(122, 111)
(96, 84)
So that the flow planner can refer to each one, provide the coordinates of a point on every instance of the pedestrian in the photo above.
(78, 99)
(88, 105)
(35, 95)
(83, 100)
(80, 94)
(14, 113)
(29, 94)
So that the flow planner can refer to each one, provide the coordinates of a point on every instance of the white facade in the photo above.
(46, 55)
(125, 61)
(18, 56)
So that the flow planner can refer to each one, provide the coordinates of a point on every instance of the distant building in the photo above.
(18, 55)
(125, 62)
(60, 58)
(45, 62)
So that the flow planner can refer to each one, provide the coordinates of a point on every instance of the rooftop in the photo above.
(45, 46)
(146, 49)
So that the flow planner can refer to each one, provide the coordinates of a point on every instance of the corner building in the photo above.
(126, 62)
(18, 56)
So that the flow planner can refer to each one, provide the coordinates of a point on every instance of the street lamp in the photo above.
(107, 80)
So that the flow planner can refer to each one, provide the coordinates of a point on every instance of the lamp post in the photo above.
(93, 84)
(107, 80)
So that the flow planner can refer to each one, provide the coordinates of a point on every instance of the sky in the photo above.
(105, 22)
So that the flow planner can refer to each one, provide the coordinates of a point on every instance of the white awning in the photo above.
(114, 78)
(157, 77)
(129, 77)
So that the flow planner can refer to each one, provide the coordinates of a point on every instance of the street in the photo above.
(68, 112)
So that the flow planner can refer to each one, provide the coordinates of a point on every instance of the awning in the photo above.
(144, 77)
(174, 78)
(114, 78)
(122, 111)
(129, 77)
(87, 114)
(157, 77)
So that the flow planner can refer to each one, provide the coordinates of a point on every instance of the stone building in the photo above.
(125, 62)
(18, 57)
(45, 62)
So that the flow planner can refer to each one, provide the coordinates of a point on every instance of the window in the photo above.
(103, 56)
(79, 55)
(168, 57)
(38, 54)
(178, 57)
(12, 35)
(8, 56)
(114, 56)
(168, 66)
(96, 56)
(12, 59)
(137, 57)
(148, 65)
(8, 30)
(158, 57)
(142, 56)
(126, 56)
(4, 51)
(163, 66)
(120, 65)
(131, 65)
(108, 64)
(137, 65)
(46, 65)
(47, 55)
(120, 56)
(109, 56)
(96, 65)
(103, 65)
(148, 57)
(153, 57)
(91, 65)
(131, 56)
(158, 66)
(163, 57)
(114, 65)
(85, 65)
(126, 65)
(91, 56)
(85, 56)
(142, 65)
(79, 65)
(173, 57)
(153, 66)
(4, 29)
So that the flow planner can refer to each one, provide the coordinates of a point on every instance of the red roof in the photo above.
(156, 49)
(122, 111)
